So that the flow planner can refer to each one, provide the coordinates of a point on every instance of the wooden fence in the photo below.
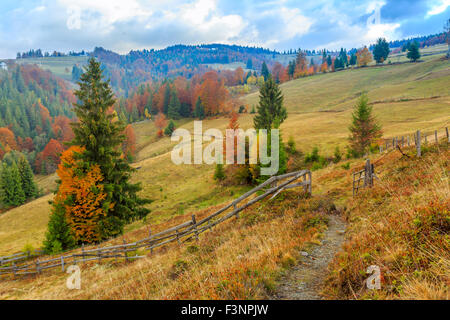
(186, 231)
(366, 175)
(364, 178)
(416, 139)
(18, 257)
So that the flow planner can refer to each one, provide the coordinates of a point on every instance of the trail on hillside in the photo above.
(304, 281)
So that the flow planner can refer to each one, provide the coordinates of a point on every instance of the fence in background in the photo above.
(364, 178)
(416, 139)
(180, 233)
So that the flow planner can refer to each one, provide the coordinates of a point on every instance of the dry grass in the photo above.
(401, 225)
(240, 259)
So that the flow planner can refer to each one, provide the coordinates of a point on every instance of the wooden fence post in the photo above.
(82, 253)
(62, 263)
(419, 152)
(387, 146)
(368, 174)
(38, 269)
(446, 131)
(149, 236)
(125, 250)
(435, 137)
(403, 141)
(310, 182)
(194, 223)
(178, 238)
(409, 142)
(425, 136)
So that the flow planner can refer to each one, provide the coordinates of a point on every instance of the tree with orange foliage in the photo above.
(79, 200)
(279, 73)
(62, 129)
(212, 93)
(51, 154)
(129, 144)
(160, 123)
(364, 57)
(7, 140)
(301, 65)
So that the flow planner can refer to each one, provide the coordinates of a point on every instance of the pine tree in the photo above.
(199, 111)
(27, 179)
(100, 134)
(219, 173)
(170, 128)
(413, 52)
(166, 100)
(364, 129)
(59, 236)
(12, 192)
(381, 50)
(174, 109)
(265, 71)
(270, 110)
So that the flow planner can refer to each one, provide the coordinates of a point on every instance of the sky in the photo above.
(121, 26)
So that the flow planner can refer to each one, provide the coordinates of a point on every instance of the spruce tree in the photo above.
(101, 135)
(199, 111)
(413, 52)
(59, 235)
(364, 129)
(170, 128)
(265, 71)
(270, 110)
(27, 179)
(381, 50)
(12, 192)
(174, 109)
(219, 173)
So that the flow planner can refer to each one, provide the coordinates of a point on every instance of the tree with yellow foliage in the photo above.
(79, 200)
(364, 57)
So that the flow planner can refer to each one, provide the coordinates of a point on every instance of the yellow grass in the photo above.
(319, 110)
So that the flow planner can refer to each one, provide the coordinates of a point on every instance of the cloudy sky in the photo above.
(123, 25)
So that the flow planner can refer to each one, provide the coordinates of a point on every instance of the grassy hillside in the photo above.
(59, 66)
(406, 97)
(400, 225)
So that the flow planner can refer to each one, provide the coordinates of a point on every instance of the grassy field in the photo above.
(405, 98)
(245, 258)
(59, 66)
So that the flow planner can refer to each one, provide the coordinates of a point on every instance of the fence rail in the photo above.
(416, 139)
(180, 233)
(367, 174)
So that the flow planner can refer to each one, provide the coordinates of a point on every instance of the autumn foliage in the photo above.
(364, 57)
(82, 194)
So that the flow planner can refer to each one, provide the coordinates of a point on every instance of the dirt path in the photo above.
(304, 281)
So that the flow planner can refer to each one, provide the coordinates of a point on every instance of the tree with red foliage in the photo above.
(48, 160)
(7, 140)
(129, 144)
(160, 123)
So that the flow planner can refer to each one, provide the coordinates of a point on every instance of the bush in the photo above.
(219, 173)
(291, 146)
(170, 128)
(337, 155)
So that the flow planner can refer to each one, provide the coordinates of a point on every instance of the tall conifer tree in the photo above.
(100, 133)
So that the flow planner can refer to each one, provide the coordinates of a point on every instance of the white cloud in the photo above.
(438, 8)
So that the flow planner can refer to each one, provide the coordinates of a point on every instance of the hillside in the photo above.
(399, 91)
(248, 258)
